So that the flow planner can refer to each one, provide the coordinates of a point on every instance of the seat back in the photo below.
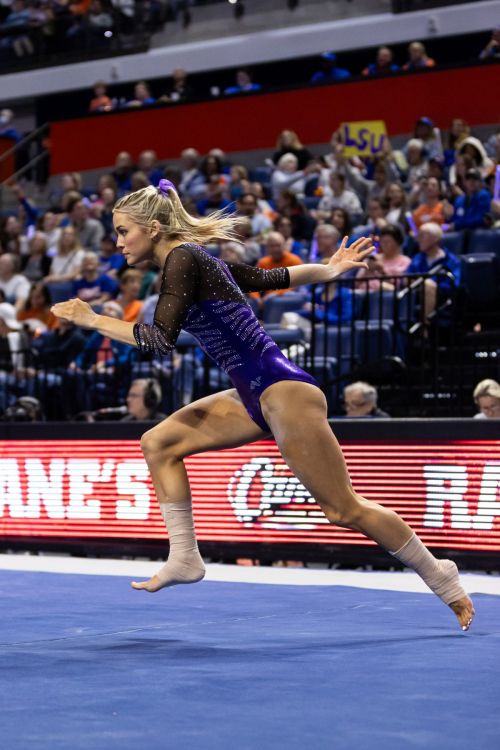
(485, 241)
(454, 242)
(275, 306)
(480, 277)
(60, 291)
(373, 340)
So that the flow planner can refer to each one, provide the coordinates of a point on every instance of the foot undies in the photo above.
(441, 576)
(184, 564)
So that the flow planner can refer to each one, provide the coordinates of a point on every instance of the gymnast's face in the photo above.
(134, 242)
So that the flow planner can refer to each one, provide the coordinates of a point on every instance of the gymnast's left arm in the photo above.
(345, 259)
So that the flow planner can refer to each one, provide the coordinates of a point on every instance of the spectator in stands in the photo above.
(329, 70)
(138, 181)
(432, 257)
(210, 166)
(327, 242)
(396, 205)
(244, 82)
(384, 63)
(360, 400)
(99, 21)
(342, 222)
(128, 299)
(424, 131)
(19, 18)
(7, 130)
(233, 252)
(101, 101)
(333, 303)
(247, 206)
(238, 181)
(289, 143)
(434, 208)
(388, 261)
(487, 399)
(147, 164)
(68, 259)
(110, 260)
(337, 196)
(470, 209)
(276, 257)
(216, 197)
(179, 90)
(257, 189)
(93, 287)
(375, 219)
(14, 346)
(384, 171)
(174, 175)
(90, 231)
(417, 161)
(458, 131)
(36, 265)
(37, 307)
(12, 235)
(287, 176)
(243, 234)
(103, 208)
(142, 95)
(492, 49)
(418, 58)
(47, 223)
(192, 181)
(302, 225)
(473, 147)
(492, 145)
(123, 171)
(456, 176)
(13, 284)
(144, 401)
(283, 225)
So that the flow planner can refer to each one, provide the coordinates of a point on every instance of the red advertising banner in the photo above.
(448, 491)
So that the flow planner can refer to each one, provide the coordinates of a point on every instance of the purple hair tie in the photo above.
(165, 185)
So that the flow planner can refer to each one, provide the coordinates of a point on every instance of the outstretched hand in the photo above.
(347, 258)
(77, 311)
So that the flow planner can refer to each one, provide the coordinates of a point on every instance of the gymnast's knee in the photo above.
(162, 440)
(347, 511)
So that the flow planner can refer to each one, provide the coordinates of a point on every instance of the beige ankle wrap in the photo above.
(184, 564)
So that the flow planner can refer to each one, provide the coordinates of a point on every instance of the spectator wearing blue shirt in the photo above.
(333, 303)
(492, 49)
(147, 164)
(243, 82)
(216, 197)
(434, 257)
(471, 208)
(123, 171)
(329, 71)
(93, 287)
(383, 63)
(142, 95)
(110, 261)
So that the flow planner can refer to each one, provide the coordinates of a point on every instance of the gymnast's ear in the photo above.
(155, 230)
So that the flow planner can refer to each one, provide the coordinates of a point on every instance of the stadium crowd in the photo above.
(422, 205)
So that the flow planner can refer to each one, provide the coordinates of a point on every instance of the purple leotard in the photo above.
(204, 296)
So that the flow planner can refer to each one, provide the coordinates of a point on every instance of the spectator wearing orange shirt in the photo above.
(276, 257)
(101, 101)
(434, 209)
(130, 286)
(417, 57)
(38, 306)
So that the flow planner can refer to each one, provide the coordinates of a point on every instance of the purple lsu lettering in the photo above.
(364, 140)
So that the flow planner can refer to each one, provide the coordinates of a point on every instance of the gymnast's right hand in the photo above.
(77, 311)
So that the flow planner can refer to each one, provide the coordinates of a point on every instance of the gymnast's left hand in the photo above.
(77, 311)
(347, 258)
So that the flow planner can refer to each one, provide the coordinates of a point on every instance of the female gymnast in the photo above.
(271, 396)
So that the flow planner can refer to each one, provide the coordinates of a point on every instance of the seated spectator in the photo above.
(110, 259)
(327, 243)
(147, 164)
(123, 171)
(492, 49)
(458, 131)
(216, 197)
(66, 263)
(12, 235)
(287, 176)
(417, 58)
(384, 171)
(474, 148)
(432, 257)
(179, 90)
(374, 221)
(243, 82)
(302, 225)
(128, 299)
(47, 223)
(434, 208)
(424, 131)
(138, 181)
(93, 287)
(212, 166)
(142, 95)
(247, 206)
(7, 129)
(20, 18)
(90, 231)
(470, 209)
(144, 401)
(38, 306)
(388, 261)
(13, 284)
(192, 180)
(14, 352)
(36, 265)
(289, 143)
(360, 400)
(101, 101)
(333, 303)
(329, 70)
(487, 399)
(342, 222)
(383, 64)
(232, 252)
(337, 196)
(238, 181)
(146, 313)
(492, 145)
(243, 234)
(276, 257)
(103, 209)
(257, 189)
(417, 161)
(283, 225)
(397, 209)
(456, 176)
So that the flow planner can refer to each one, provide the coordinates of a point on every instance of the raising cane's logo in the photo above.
(265, 494)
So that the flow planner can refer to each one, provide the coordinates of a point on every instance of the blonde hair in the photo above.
(150, 204)
(131, 274)
(60, 245)
(486, 388)
(295, 140)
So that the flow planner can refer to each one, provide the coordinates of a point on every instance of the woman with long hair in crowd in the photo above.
(66, 263)
(38, 306)
(289, 143)
(36, 265)
(271, 396)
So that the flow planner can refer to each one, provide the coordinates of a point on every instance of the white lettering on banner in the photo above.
(10, 488)
(489, 501)
(126, 472)
(79, 470)
(49, 489)
(438, 495)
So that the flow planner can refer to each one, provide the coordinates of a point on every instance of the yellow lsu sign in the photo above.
(363, 138)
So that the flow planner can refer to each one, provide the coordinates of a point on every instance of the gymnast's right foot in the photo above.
(181, 569)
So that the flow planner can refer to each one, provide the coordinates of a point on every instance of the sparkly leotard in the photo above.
(204, 296)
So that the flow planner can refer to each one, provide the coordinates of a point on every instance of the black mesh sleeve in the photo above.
(250, 279)
(181, 278)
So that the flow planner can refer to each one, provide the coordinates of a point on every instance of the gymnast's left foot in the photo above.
(464, 610)
(181, 569)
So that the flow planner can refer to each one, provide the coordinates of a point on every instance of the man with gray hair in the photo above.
(144, 401)
(360, 400)
(327, 239)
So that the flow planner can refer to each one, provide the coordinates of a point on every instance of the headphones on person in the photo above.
(152, 394)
